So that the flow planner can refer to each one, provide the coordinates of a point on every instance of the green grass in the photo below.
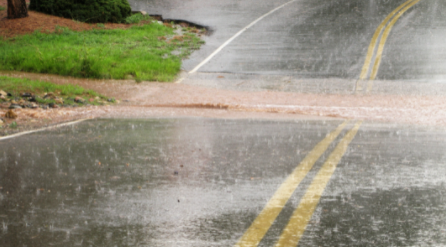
(138, 52)
(15, 86)
(2, 8)
(137, 18)
(13, 125)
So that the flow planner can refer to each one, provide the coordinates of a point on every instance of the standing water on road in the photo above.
(202, 182)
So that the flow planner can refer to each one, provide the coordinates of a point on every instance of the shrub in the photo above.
(93, 11)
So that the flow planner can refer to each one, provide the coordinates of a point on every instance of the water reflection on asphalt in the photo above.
(201, 182)
(141, 183)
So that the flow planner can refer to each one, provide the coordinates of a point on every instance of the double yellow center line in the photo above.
(380, 41)
(296, 226)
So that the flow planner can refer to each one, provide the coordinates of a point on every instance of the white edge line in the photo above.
(180, 80)
(235, 36)
(42, 129)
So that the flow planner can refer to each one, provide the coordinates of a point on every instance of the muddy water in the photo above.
(170, 100)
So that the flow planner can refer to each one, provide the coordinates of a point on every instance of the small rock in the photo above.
(10, 114)
(49, 95)
(52, 105)
(58, 100)
(3, 93)
(175, 173)
(26, 95)
(15, 106)
(111, 100)
(79, 99)
(21, 102)
(32, 99)
(33, 105)
(44, 107)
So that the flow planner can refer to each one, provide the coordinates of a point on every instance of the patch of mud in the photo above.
(151, 99)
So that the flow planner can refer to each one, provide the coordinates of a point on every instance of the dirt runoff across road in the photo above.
(151, 99)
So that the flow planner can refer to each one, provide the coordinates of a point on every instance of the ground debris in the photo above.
(11, 114)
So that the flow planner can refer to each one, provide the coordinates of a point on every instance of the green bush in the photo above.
(93, 11)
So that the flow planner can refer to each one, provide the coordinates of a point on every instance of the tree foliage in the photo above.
(93, 11)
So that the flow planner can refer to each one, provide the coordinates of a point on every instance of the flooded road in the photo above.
(314, 46)
(203, 182)
(233, 155)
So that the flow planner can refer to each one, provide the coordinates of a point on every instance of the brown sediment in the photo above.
(144, 100)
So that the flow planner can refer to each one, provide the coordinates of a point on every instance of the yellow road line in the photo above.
(303, 213)
(368, 59)
(384, 39)
(265, 219)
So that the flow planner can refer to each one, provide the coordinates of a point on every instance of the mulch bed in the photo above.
(43, 22)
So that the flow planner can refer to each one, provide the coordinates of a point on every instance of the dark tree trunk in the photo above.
(17, 9)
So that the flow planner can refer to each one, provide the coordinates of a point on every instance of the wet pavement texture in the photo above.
(202, 182)
(308, 44)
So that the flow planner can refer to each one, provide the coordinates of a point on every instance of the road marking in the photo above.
(42, 129)
(181, 79)
(236, 35)
(384, 39)
(303, 213)
(368, 59)
(265, 219)
(381, 42)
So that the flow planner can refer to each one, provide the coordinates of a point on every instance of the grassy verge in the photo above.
(2, 8)
(144, 52)
(137, 18)
(25, 92)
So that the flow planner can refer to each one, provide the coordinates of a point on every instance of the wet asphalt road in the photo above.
(203, 182)
(209, 182)
(311, 43)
